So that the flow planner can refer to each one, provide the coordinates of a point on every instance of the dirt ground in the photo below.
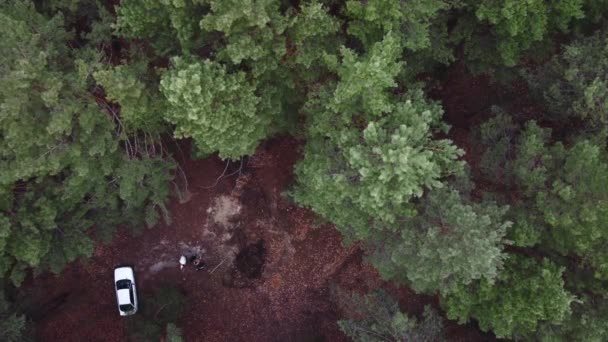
(275, 268)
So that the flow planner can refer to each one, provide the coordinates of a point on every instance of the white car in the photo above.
(126, 293)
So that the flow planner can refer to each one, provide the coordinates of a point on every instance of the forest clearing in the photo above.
(287, 299)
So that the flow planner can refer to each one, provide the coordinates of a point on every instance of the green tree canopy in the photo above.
(86, 94)
(574, 84)
(253, 30)
(361, 170)
(142, 106)
(526, 293)
(218, 109)
(378, 318)
(586, 323)
(371, 20)
(174, 334)
(169, 25)
(63, 168)
(511, 28)
(452, 241)
(13, 325)
(370, 154)
(563, 189)
(314, 35)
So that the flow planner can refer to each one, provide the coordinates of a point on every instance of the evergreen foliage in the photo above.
(511, 29)
(218, 109)
(13, 325)
(420, 26)
(254, 42)
(370, 21)
(89, 20)
(170, 25)
(378, 318)
(63, 169)
(559, 209)
(369, 154)
(563, 202)
(587, 323)
(573, 84)
(142, 107)
(314, 34)
(253, 31)
(359, 171)
(11, 328)
(526, 293)
(452, 241)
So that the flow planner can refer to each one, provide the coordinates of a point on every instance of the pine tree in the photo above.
(218, 109)
(452, 241)
(526, 293)
(563, 198)
(511, 29)
(374, 173)
(314, 34)
(371, 20)
(586, 323)
(65, 164)
(168, 25)
(13, 324)
(378, 318)
(573, 84)
(370, 155)
(133, 87)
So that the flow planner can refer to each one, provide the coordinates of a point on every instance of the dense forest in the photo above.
(508, 231)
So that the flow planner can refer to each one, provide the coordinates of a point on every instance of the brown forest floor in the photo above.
(289, 299)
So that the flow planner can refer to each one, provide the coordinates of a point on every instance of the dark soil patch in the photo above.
(465, 98)
(40, 311)
(250, 260)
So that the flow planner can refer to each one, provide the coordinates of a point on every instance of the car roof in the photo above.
(123, 296)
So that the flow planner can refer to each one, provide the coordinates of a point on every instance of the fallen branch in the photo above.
(224, 175)
(183, 173)
(159, 310)
(218, 265)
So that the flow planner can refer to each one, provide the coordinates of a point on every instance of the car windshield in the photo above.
(126, 307)
(123, 284)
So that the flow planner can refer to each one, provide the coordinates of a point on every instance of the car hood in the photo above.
(123, 273)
